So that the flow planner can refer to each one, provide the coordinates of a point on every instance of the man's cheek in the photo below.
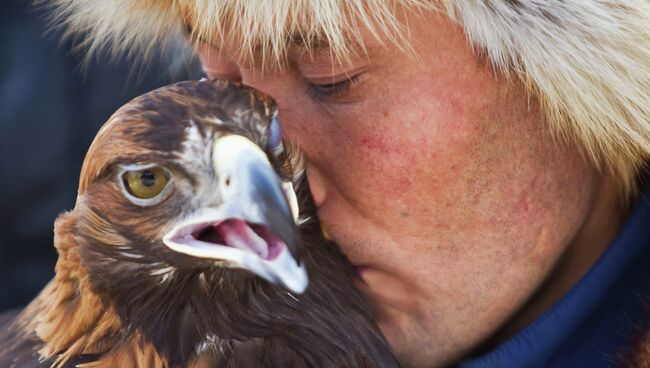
(412, 160)
(390, 160)
(386, 176)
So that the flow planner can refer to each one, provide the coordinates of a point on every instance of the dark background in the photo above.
(49, 113)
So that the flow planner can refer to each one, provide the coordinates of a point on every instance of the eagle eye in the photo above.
(143, 185)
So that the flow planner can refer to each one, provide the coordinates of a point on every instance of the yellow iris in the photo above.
(146, 183)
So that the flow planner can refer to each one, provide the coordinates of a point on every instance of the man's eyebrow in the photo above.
(297, 40)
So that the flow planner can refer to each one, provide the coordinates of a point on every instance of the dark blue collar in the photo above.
(594, 320)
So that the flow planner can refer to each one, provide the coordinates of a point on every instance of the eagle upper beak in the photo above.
(254, 228)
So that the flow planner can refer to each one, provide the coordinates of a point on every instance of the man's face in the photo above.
(438, 179)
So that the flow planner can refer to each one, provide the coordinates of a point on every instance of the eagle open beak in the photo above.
(254, 228)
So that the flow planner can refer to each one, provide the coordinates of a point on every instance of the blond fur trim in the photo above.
(588, 61)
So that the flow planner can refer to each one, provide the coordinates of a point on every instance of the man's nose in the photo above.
(316, 185)
(299, 126)
(298, 118)
(295, 111)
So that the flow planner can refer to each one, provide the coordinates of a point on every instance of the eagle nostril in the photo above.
(227, 181)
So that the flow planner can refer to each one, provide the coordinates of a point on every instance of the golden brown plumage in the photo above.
(128, 294)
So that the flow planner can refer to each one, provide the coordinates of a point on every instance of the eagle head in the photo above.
(185, 221)
(189, 181)
(184, 249)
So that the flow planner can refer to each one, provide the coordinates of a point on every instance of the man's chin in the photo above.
(386, 290)
(412, 340)
(411, 343)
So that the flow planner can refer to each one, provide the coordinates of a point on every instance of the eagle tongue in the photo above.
(238, 234)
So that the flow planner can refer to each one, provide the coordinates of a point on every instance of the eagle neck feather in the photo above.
(72, 320)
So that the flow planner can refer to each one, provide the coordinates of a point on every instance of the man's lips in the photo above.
(361, 271)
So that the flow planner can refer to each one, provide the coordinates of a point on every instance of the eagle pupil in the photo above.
(148, 178)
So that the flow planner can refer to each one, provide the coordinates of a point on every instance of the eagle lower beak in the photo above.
(254, 228)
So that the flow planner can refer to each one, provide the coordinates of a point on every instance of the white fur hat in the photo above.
(588, 61)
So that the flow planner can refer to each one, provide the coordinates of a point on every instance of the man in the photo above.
(475, 159)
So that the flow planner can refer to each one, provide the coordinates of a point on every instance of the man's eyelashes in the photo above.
(332, 90)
